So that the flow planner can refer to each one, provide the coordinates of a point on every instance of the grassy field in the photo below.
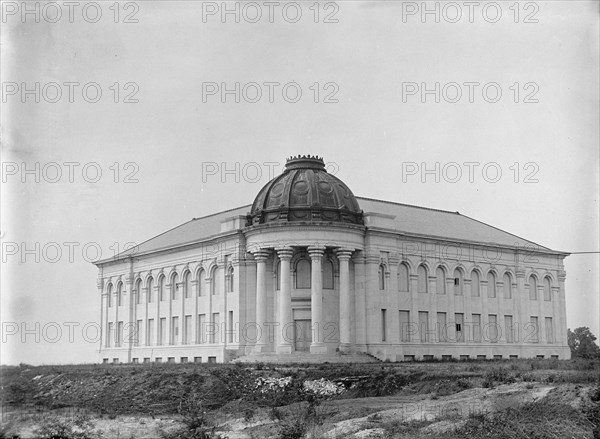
(474, 399)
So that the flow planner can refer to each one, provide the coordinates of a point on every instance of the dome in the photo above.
(305, 192)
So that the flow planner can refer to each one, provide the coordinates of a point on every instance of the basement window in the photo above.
(458, 327)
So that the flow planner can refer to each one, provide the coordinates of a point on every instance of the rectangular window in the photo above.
(183, 360)
(214, 327)
(174, 330)
(508, 329)
(201, 328)
(197, 359)
(441, 326)
(171, 360)
(476, 320)
(230, 326)
(175, 291)
(549, 330)
(135, 360)
(459, 320)
(424, 326)
(150, 333)
(493, 325)
(534, 330)
(162, 330)
(119, 337)
(146, 360)
(212, 360)
(383, 325)
(158, 359)
(111, 334)
(138, 332)
(405, 326)
(187, 334)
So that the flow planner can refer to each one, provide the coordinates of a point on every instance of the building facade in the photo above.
(309, 269)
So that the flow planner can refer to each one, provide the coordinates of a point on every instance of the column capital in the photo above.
(316, 251)
(285, 253)
(561, 275)
(520, 272)
(100, 283)
(261, 254)
(343, 254)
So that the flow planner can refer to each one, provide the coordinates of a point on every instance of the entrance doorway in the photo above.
(302, 335)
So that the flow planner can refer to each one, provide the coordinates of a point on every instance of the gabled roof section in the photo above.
(408, 219)
(197, 229)
(415, 220)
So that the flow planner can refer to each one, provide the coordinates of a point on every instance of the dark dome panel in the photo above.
(305, 192)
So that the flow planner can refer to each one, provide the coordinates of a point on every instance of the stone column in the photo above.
(561, 336)
(261, 300)
(415, 330)
(103, 312)
(344, 256)
(523, 308)
(195, 285)
(285, 302)
(316, 300)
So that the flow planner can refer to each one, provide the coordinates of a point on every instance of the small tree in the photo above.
(582, 343)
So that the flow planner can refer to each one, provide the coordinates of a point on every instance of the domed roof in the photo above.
(305, 192)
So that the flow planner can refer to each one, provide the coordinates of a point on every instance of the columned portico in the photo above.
(316, 300)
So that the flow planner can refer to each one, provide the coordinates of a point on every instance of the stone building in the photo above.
(311, 271)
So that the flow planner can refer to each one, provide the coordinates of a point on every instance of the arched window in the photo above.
(213, 282)
(475, 283)
(507, 286)
(547, 289)
(162, 288)
(201, 283)
(278, 276)
(491, 284)
(109, 295)
(303, 274)
(229, 280)
(422, 282)
(187, 284)
(381, 277)
(150, 290)
(120, 294)
(327, 275)
(440, 283)
(403, 278)
(458, 282)
(138, 292)
(532, 288)
(175, 293)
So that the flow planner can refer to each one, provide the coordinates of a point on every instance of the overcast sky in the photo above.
(518, 93)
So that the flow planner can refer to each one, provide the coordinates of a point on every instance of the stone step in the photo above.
(305, 357)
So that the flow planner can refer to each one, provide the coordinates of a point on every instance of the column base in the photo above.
(284, 349)
(346, 348)
(318, 348)
(260, 348)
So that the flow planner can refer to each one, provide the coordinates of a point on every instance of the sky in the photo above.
(149, 114)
